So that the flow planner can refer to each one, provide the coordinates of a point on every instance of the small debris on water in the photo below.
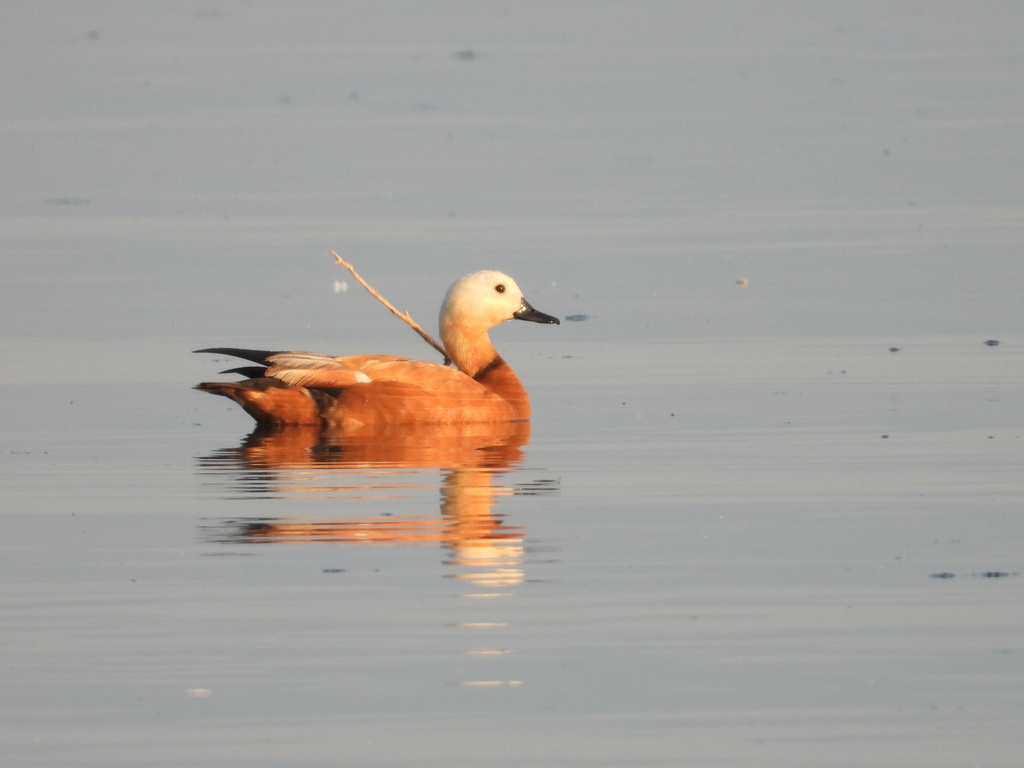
(992, 343)
(894, 349)
(340, 286)
(577, 318)
(741, 281)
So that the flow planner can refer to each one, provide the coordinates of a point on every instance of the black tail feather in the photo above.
(255, 355)
(249, 371)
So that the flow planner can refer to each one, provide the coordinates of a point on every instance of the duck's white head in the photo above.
(484, 299)
(476, 303)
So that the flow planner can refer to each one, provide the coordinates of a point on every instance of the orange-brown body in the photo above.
(346, 392)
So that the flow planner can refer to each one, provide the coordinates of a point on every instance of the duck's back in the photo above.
(390, 390)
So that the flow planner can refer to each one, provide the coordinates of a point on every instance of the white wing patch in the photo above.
(311, 361)
(313, 370)
(323, 377)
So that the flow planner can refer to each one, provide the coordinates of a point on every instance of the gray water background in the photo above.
(770, 510)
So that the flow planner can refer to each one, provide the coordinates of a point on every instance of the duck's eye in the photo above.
(500, 287)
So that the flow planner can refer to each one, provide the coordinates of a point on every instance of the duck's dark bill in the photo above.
(526, 312)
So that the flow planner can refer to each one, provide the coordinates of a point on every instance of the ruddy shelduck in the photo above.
(349, 392)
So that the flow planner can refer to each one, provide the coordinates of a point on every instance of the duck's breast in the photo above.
(406, 391)
(499, 378)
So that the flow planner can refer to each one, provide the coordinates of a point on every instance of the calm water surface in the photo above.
(820, 564)
(768, 511)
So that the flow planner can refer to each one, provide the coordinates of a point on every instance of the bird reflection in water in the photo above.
(375, 467)
(384, 463)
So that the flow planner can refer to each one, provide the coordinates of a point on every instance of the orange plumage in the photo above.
(347, 392)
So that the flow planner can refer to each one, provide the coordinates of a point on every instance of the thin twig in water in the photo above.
(400, 315)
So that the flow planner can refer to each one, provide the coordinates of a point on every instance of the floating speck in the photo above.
(894, 349)
(577, 318)
(340, 286)
(741, 281)
(992, 343)
(982, 575)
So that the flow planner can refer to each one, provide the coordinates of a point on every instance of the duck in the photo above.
(358, 391)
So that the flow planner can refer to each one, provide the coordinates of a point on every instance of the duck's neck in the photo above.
(470, 350)
(475, 356)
